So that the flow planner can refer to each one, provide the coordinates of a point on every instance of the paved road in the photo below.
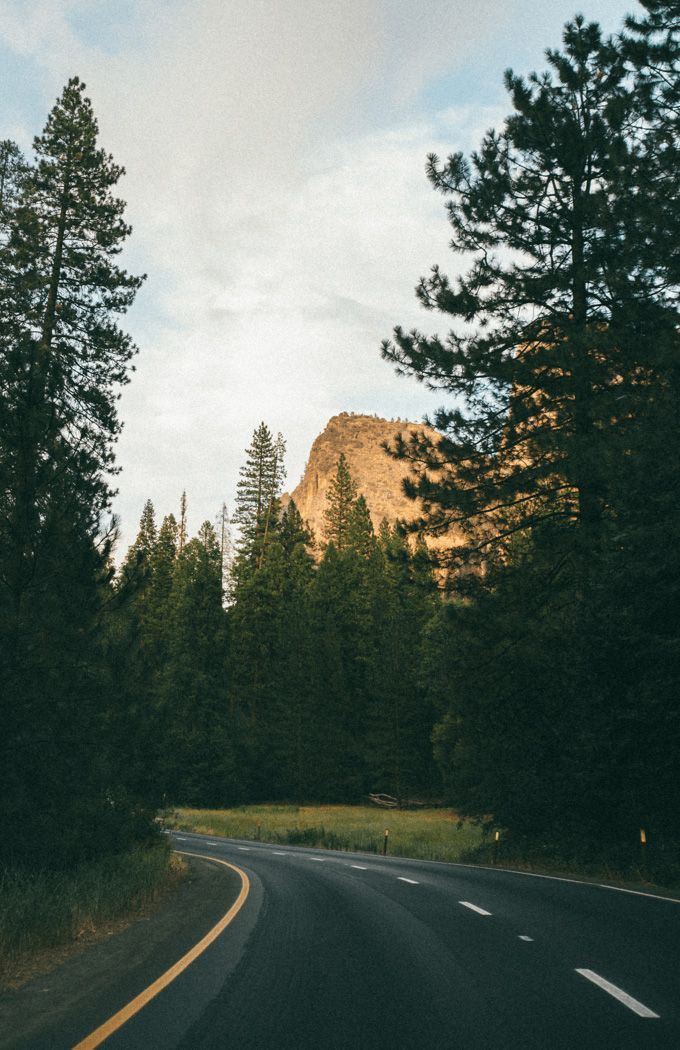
(334, 950)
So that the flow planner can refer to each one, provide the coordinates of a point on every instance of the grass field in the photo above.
(43, 914)
(428, 834)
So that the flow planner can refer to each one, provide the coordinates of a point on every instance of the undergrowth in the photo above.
(614, 863)
(48, 910)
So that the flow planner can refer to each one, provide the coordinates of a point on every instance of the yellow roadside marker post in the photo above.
(643, 850)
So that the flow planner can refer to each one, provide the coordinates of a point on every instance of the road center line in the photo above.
(412, 881)
(279, 853)
(523, 937)
(246, 849)
(359, 867)
(101, 1034)
(320, 860)
(638, 1008)
(473, 907)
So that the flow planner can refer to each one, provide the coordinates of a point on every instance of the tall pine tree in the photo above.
(340, 500)
(257, 498)
(555, 715)
(64, 359)
(549, 362)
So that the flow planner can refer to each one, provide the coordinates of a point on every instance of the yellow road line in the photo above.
(97, 1037)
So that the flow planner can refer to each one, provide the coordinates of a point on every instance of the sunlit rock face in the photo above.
(377, 475)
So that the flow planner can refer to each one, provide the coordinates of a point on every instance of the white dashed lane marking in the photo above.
(321, 860)
(637, 1007)
(474, 907)
(412, 881)
(245, 849)
(523, 937)
(279, 853)
(359, 867)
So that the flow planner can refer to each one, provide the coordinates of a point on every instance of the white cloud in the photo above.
(275, 184)
(289, 329)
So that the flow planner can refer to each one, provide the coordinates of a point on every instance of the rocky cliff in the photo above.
(378, 477)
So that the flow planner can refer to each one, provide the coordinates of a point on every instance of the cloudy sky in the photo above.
(275, 152)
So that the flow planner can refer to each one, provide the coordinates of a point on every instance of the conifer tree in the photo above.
(64, 359)
(279, 461)
(197, 760)
(162, 563)
(167, 542)
(297, 708)
(66, 356)
(273, 670)
(256, 483)
(341, 497)
(13, 172)
(137, 635)
(422, 566)
(551, 363)
(257, 499)
(147, 534)
(293, 531)
(565, 370)
(343, 644)
(140, 552)
(651, 46)
(62, 256)
(182, 530)
(398, 751)
(271, 512)
(226, 550)
(360, 533)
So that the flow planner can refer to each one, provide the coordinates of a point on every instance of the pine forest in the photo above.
(527, 674)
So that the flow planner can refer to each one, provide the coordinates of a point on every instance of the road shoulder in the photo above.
(87, 988)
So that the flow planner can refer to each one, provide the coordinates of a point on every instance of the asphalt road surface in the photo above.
(342, 951)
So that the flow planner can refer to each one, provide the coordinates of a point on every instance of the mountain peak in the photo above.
(377, 475)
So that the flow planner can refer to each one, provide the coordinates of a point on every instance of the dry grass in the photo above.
(428, 834)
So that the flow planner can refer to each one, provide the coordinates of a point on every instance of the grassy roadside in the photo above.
(426, 834)
(45, 915)
(657, 875)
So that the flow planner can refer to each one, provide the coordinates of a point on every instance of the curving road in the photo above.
(335, 950)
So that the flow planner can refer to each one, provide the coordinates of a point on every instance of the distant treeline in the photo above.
(278, 676)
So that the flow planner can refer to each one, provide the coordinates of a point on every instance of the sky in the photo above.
(274, 154)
